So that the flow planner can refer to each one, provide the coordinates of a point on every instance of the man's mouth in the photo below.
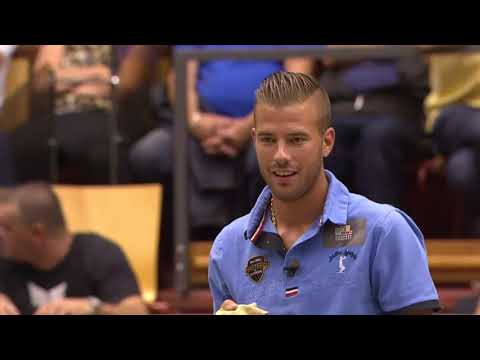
(284, 173)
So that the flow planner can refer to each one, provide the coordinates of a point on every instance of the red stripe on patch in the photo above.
(292, 292)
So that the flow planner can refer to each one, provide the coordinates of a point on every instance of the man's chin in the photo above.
(285, 196)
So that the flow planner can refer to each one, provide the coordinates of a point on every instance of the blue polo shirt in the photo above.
(359, 257)
(227, 86)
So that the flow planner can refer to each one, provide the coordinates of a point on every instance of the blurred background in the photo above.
(98, 121)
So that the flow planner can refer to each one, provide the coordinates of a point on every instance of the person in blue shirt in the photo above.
(309, 246)
(220, 98)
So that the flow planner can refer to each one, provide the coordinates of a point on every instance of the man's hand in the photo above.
(222, 135)
(206, 125)
(7, 307)
(215, 145)
(67, 306)
(208, 129)
(229, 305)
(236, 133)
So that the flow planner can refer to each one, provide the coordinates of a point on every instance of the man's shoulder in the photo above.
(231, 233)
(95, 243)
(235, 229)
(360, 206)
(379, 215)
(385, 219)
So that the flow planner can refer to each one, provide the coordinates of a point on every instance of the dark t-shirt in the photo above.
(94, 266)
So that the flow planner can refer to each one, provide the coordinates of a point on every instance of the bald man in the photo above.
(46, 270)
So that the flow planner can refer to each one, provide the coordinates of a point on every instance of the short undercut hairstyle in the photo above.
(287, 88)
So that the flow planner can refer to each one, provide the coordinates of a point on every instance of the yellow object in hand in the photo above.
(251, 309)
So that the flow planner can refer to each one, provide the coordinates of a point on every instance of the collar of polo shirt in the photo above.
(335, 209)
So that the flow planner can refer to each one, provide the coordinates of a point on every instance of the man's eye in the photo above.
(267, 140)
(298, 140)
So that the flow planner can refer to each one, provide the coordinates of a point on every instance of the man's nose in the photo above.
(281, 154)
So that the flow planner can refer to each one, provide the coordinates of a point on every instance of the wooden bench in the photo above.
(199, 252)
(454, 261)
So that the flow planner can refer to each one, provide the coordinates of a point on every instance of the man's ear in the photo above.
(253, 134)
(328, 141)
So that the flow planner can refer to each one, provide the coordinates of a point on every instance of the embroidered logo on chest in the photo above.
(342, 257)
(256, 267)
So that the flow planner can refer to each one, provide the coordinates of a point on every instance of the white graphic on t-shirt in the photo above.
(40, 296)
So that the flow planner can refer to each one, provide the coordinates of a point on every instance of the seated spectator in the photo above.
(82, 109)
(453, 121)
(376, 113)
(45, 269)
(225, 178)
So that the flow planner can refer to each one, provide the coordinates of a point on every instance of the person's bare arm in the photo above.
(49, 56)
(193, 107)
(7, 307)
(202, 125)
(71, 78)
(27, 51)
(303, 65)
(136, 69)
(132, 305)
(52, 55)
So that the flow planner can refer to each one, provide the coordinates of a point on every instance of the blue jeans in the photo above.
(456, 135)
(151, 160)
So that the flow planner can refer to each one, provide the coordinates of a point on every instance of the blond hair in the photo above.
(286, 88)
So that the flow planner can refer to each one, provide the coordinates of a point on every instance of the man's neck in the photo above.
(300, 214)
(57, 248)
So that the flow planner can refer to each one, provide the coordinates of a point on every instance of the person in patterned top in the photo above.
(82, 110)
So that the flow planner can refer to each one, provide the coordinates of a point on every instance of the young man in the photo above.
(220, 99)
(46, 270)
(309, 246)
